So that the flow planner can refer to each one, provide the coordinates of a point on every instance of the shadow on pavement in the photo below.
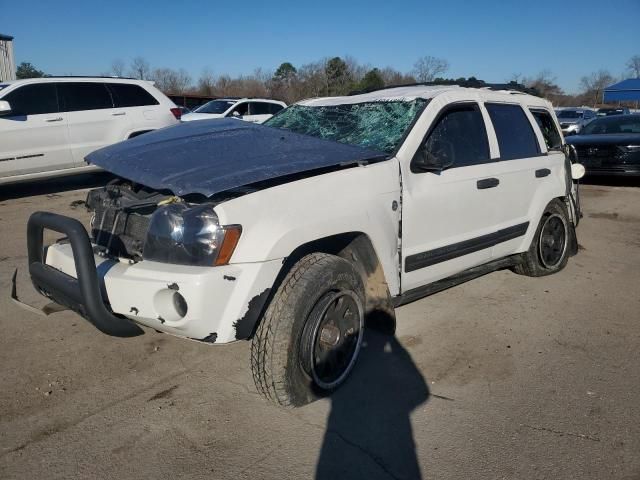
(54, 185)
(369, 432)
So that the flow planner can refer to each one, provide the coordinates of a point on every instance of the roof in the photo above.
(5, 37)
(628, 90)
(403, 93)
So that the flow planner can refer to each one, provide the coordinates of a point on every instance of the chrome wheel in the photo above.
(332, 337)
(553, 241)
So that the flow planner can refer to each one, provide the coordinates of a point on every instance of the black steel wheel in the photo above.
(549, 249)
(308, 341)
(332, 337)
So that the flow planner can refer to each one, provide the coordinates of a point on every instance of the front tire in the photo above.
(549, 250)
(309, 338)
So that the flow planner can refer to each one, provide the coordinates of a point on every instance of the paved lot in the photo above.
(503, 377)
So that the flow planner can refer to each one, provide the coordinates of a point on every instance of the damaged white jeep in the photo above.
(292, 233)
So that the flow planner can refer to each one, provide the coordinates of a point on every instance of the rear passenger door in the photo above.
(93, 121)
(33, 137)
(524, 169)
(136, 105)
(450, 218)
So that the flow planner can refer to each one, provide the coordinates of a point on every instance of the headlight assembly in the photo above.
(185, 235)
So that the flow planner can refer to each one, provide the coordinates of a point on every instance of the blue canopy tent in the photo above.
(624, 91)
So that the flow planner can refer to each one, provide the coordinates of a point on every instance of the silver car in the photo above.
(573, 119)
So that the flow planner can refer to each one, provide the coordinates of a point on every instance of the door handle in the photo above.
(58, 119)
(118, 114)
(543, 172)
(487, 183)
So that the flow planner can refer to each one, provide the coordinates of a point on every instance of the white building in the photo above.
(7, 63)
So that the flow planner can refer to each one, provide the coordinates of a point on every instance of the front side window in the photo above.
(548, 128)
(84, 96)
(36, 99)
(516, 138)
(241, 109)
(459, 137)
(129, 95)
(379, 125)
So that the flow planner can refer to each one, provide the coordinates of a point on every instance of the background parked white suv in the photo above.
(255, 110)
(48, 125)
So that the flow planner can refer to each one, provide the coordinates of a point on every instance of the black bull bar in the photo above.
(82, 294)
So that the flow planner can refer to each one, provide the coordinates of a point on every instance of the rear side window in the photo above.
(84, 96)
(516, 138)
(460, 134)
(548, 128)
(275, 108)
(259, 108)
(34, 99)
(128, 95)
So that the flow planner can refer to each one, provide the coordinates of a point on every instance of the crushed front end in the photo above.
(153, 259)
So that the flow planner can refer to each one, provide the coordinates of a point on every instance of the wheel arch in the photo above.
(357, 248)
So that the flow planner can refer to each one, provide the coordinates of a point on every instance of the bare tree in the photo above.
(427, 68)
(207, 83)
(634, 66)
(544, 83)
(171, 81)
(140, 68)
(118, 67)
(595, 83)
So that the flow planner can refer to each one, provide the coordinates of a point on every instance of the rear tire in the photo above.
(309, 338)
(549, 250)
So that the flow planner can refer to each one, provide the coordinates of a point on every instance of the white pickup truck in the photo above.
(291, 234)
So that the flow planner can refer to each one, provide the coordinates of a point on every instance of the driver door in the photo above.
(449, 217)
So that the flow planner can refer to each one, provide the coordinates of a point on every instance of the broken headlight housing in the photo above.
(189, 235)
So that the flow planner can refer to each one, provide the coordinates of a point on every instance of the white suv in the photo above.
(292, 233)
(255, 110)
(48, 125)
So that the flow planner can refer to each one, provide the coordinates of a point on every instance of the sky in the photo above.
(491, 40)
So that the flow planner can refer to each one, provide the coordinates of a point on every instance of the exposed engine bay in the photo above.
(122, 221)
(121, 217)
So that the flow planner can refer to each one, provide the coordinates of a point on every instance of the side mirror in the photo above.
(577, 169)
(5, 108)
(434, 156)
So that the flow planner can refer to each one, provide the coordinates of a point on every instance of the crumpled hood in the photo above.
(211, 156)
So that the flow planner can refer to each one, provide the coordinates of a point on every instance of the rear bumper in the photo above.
(223, 303)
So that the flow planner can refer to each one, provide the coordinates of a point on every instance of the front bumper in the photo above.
(223, 303)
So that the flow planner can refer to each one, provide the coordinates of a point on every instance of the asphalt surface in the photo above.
(502, 377)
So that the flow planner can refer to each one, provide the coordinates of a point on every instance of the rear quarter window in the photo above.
(128, 95)
(516, 138)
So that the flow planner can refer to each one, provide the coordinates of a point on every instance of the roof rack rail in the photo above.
(113, 77)
(469, 83)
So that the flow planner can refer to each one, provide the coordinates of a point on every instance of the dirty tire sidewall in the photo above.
(532, 264)
(275, 348)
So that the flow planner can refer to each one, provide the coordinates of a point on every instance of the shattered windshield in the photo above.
(377, 125)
